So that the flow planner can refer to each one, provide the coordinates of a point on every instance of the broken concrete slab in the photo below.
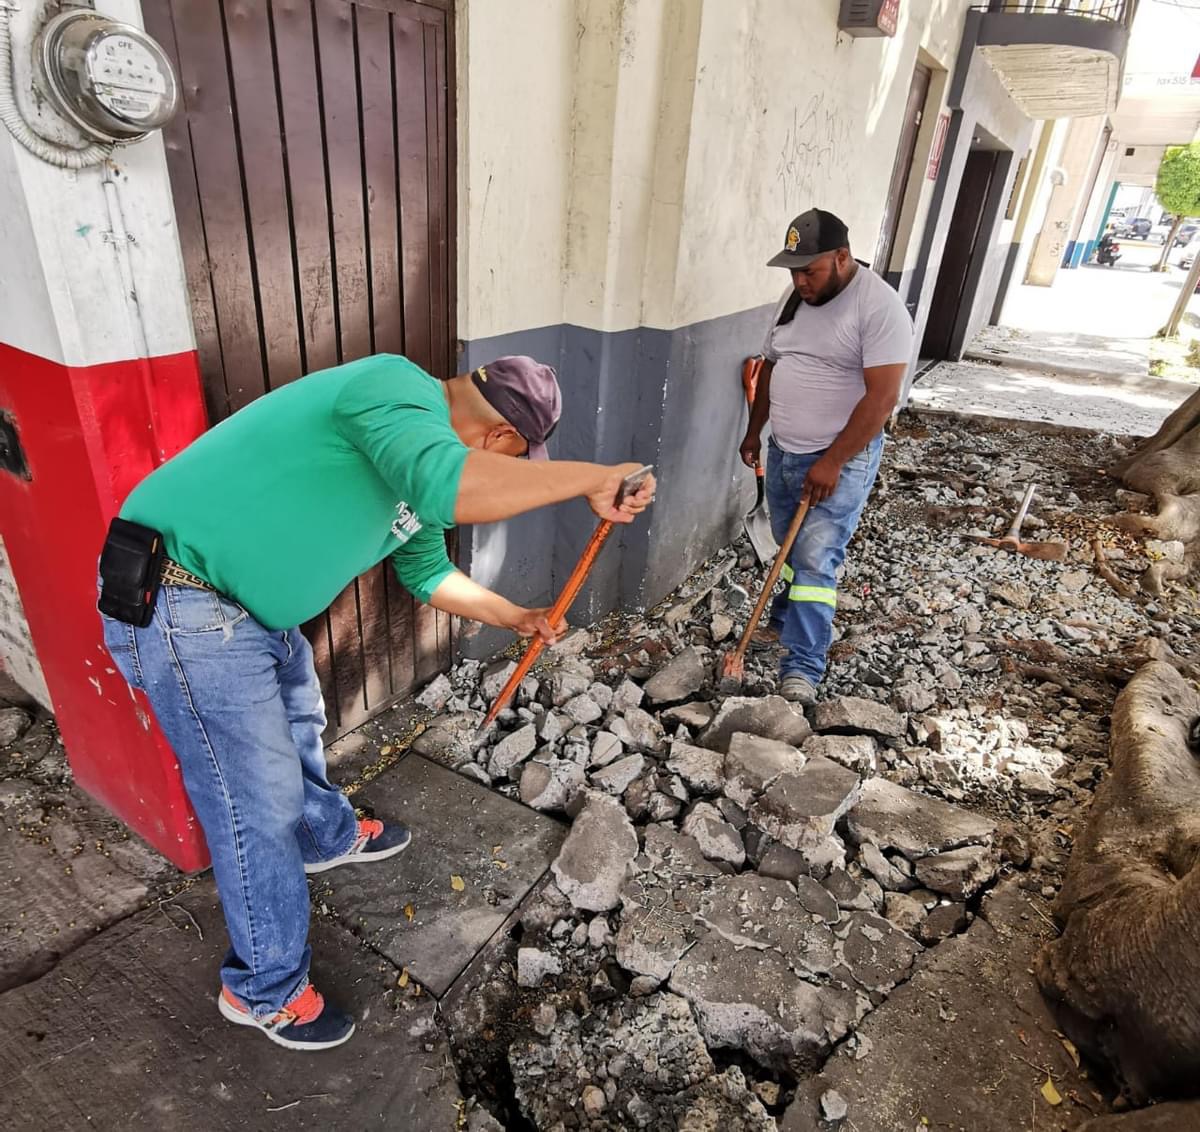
(703, 770)
(959, 873)
(801, 808)
(166, 1058)
(535, 965)
(769, 717)
(890, 878)
(456, 827)
(680, 679)
(640, 1064)
(451, 739)
(894, 817)
(513, 750)
(878, 954)
(858, 752)
(762, 1007)
(753, 763)
(594, 862)
(694, 716)
(639, 729)
(55, 896)
(944, 921)
(616, 776)
(718, 840)
(852, 715)
(553, 785)
(956, 1046)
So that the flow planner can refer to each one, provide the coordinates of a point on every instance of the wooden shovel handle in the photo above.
(772, 577)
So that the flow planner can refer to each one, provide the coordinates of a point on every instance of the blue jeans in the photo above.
(803, 611)
(242, 709)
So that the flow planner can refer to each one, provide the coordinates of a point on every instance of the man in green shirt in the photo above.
(264, 519)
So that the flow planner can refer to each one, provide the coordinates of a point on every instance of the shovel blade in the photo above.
(757, 526)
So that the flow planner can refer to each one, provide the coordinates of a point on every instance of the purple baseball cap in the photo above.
(526, 394)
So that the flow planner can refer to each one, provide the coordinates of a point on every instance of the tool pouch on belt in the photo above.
(130, 569)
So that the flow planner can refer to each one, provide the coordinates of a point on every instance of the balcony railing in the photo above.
(1118, 11)
(1058, 58)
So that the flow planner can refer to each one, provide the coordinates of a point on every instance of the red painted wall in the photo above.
(90, 433)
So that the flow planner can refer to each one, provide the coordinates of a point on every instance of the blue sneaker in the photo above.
(305, 1023)
(374, 842)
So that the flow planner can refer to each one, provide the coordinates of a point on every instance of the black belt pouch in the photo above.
(130, 568)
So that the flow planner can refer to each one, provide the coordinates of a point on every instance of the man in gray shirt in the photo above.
(836, 355)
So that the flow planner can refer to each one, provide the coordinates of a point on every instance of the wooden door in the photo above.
(902, 167)
(310, 166)
(952, 296)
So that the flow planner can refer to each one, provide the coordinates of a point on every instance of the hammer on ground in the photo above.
(1049, 551)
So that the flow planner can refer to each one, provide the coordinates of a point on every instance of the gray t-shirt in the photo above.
(820, 356)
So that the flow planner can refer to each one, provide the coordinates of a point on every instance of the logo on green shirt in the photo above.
(407, 522)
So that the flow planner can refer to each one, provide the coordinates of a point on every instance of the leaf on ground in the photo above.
(402, 982)
(1051, 1093)
(457, 883)
(409, 912)
(500, 864)
(1072, 1052)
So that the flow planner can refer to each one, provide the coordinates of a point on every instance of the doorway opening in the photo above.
(914, 111)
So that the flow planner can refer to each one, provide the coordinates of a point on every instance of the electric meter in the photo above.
(109, 79)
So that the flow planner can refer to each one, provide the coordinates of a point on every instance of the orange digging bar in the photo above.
(565, 599)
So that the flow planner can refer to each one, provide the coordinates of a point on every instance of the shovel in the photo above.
(757, 523)
(733, 665)
(1047, 551)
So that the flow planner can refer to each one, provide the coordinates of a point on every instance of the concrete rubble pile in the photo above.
(746, 882)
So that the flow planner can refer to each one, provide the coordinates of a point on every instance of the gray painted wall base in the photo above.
(672, 398)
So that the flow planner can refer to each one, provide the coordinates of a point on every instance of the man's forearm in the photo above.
(865, 423)
(459, 595)
(495, 487)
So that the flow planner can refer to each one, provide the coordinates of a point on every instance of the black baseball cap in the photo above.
(526, 394)
(811, 234)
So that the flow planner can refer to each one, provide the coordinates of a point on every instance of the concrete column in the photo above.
(1066, 199)
(99, 378)
(1083, 239)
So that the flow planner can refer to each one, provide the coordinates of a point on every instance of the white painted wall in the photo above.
(65, 300)
(662, 146)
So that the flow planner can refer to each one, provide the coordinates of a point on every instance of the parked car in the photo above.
(1188, 256)
(1134, 228)
(1185, 234)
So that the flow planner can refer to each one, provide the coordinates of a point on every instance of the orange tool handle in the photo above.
(557, 612)
(772, 577)
(565, 599)
(751, 369)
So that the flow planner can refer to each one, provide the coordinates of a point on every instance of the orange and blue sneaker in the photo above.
(375, 841)
(305, 1023)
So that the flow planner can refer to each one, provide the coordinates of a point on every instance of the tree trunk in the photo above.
(1185, 295)
(1173, 429)
(1125, 974)
(1168, 245)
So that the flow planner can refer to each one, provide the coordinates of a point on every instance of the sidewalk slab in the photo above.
(1077, 355)
(124, 1033)
(1130, 405)
(60, 884)
(495, 847)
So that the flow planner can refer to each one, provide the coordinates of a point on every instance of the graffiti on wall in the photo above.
(815, 140)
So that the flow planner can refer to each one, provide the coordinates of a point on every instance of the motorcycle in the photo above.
(1108, 251)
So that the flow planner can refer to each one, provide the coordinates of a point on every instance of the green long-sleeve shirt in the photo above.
(282, 504)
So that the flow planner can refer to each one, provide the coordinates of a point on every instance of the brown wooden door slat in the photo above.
(204, 76)
(311, 168)
(412, 142)
(258, 121)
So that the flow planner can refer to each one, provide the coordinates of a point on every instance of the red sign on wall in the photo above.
(888, 15)
(939, 145)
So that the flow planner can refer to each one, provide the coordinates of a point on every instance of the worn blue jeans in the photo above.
(242, 709)
(803, 611)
